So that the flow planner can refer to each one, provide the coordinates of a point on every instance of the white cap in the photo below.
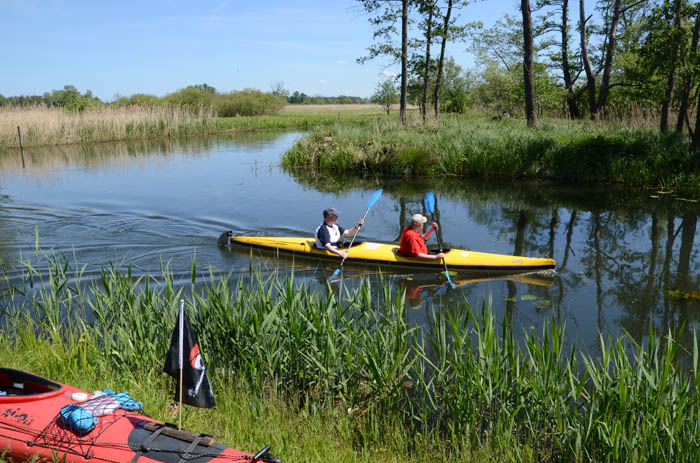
(418, 219)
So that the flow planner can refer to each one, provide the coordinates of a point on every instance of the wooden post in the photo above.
(182, 359)
(21, 147)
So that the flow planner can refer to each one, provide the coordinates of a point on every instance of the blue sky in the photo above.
(159, 46)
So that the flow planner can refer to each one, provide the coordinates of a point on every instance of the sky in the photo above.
(122, 47)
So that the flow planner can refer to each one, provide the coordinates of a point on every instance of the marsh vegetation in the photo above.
(288, 361)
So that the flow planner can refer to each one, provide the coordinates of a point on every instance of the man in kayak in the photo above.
(413, 241)
(329, 235)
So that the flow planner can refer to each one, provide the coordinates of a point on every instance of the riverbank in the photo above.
(580, 151)
(345, 378)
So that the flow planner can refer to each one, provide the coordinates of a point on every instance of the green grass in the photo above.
(581, 151)
(326, 377)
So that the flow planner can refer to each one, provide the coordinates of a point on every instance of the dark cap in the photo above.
(330, 211)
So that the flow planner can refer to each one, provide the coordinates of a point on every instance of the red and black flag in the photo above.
(184, 355)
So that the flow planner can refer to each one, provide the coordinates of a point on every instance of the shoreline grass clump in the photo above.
(462, 386)
(579, 151)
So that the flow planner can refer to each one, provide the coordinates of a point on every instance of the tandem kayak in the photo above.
(33, 425)
(386, 254)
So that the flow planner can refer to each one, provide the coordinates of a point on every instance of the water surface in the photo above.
(627, 260)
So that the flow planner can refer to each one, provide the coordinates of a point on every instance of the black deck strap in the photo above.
(146, 443)
(191, 447)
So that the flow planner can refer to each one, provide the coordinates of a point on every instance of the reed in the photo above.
(47, 126)
(348, 363)
(43, 125)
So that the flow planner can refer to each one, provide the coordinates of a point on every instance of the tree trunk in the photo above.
(688, 80)
(404, 60)
(609, 54)
(426, 76)
(695, 145)
(528, 70)
(438, 79)
(590, 76)
(568, 82)
(671, 82)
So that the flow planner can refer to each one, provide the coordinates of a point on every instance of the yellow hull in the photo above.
(386, 254)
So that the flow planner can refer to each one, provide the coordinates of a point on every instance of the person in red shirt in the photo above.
(413, 241)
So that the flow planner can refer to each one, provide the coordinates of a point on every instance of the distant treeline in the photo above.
(247, 102)
(303, 98)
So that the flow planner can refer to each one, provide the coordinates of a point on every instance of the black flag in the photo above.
(184, 354)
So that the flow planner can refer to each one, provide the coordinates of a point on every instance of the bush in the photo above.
(248, 103)
(139, 99)
(190, 97)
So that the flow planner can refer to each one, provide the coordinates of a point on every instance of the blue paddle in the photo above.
(429, 202)
(370, 203)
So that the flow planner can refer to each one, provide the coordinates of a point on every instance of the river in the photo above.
(627, 260)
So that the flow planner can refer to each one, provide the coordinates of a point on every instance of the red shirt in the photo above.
(412, 243)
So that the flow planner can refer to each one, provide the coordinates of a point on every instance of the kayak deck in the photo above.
(386, 254)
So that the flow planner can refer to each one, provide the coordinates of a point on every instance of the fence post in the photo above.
(21, 147)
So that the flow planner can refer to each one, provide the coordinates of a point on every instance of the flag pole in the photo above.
(181, 360)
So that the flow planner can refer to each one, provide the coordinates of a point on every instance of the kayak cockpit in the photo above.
(15, 383)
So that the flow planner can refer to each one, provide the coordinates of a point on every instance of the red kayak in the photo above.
(32, 423)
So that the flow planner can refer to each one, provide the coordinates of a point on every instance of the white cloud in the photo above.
(322, 81)
(340, 62)
(389, 74)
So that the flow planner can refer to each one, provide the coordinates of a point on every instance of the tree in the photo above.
(675, 58)
(427, 7)
(385, 15)
(688, 73)
(561, 60)
(385, 95)
(444, 33)
(404, 60)
(277, 88)
(205, 88)
(613, 12)
(528, 71)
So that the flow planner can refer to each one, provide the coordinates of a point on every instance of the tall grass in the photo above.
(43, 125)
(461, 386)
(463, 146)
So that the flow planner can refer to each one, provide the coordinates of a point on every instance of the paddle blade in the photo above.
(336, 274)
(374, 198)
(429, 202)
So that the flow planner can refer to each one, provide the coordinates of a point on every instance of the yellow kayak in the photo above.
(386, 254)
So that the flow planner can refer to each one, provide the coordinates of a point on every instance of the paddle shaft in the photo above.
(352, 241)
(444, 261)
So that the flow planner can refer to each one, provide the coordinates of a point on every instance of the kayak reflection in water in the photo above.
(329, 235)
(414, 291)
(413, 241)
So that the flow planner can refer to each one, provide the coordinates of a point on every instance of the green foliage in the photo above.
(385, 95)
(191, 97)
(248, 103)
(455, 89)
(464, 382)
(506, 149)
(69, 98)
(139, 99)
